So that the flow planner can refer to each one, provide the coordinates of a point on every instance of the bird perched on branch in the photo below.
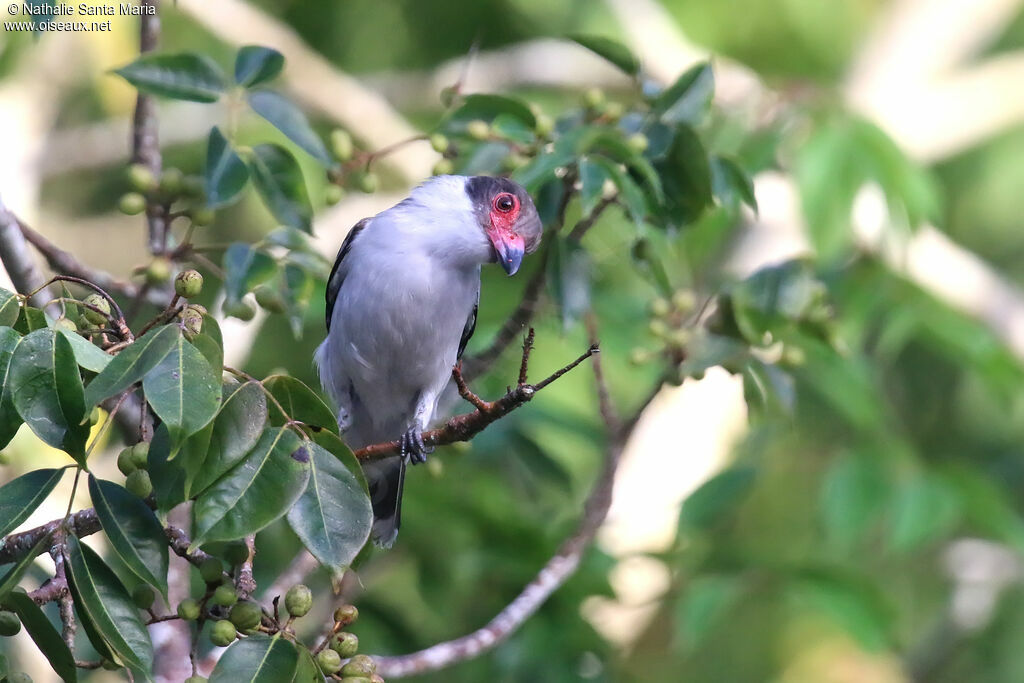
(401, 306)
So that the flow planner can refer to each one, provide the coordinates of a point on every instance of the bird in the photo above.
(402, 301)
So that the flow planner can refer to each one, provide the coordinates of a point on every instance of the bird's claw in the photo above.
(413, 447)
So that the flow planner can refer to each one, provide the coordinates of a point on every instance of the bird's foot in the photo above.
(413, 447)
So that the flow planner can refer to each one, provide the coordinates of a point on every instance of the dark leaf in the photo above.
(13, 576)
(717, 498)
(289, 119)
(244, 268)
(630, 194)
(10, 308)
(132, 363)
(10, 421)
(256, 64)
(20, 497)
(612, 50)
(279, 181)
(226, 174)
(686, 176)
(44, 635)
(730, 184)
(299, 403)
(210, 342)
(569, 275)
(87, 354)
(180, 76)
(689, 98)
(257, 659)
(183, 390)
(235, 431)
(592, 178)
(487, 108)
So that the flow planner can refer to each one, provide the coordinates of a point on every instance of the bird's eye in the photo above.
(504, 202)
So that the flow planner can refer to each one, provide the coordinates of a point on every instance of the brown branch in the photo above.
(554, 573)
(180, 542)
(24, 272)
(145, 132)
(15, 546)
(245, 584)
(524, 365)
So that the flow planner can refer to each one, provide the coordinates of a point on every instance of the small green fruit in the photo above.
(341, 144)
(188, 609)
(191, 322)
(593, 98)
(132, 204)
(159, 271)
(172, 180)
(345, 644)
(10, 625)
(614, 111)
(658, 328)
(140, 455)
(193, 186)
(243, 310)
(141, 178)
(269, 299)
(478, 129)
(368, 182)
(329, 661)
(125, 461)
(65, 324)
(225, 595)
(236, 554)
(514, 161)
(212, 570)
(346, 614)
(298, 600)
(639, 356)
(333, 194)
(222, 633)
(680, 338)
(202, 217)
(544, 125)
(96, 301)
(246, 615)
(638, 142)
(360, 665)
(143, 596)
(188, 283)
(443, 167)
(660, 307)
(439, 142)
(684, 300)
(139, 483)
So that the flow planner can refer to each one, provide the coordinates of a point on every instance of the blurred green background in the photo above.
(868, 529)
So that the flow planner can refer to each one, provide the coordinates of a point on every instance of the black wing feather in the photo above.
(468, 330)
(336, 279)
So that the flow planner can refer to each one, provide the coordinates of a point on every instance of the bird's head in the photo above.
(508, 218)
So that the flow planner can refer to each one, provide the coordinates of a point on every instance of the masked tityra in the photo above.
(401, 306)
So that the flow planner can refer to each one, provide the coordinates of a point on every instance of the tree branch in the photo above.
(17, 259)
(145, 132)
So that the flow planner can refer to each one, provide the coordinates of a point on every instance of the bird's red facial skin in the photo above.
(508, 244)
(504, 212)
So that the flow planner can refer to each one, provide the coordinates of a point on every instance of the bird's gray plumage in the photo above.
(401, 305)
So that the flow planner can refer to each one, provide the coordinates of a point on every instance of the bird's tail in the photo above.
(386, 479)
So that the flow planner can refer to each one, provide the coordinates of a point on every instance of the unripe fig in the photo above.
(269, 299)
(439, 142)
(65, 324)
(593, 98)
(544, 125)
(141, 178)
(357, 679)
(10, 624)
(158, 271)
(345, 644)
(333, 194)
(684, 300)
(478, 129)
(245, 615)
(132, 204)
(225, 595)
(243, 310)
(212, 570)
(341, 144)
(614, 111)
(143, 596)
(139, 483)
(638, 142)
(360, 665)
(140, 455)
(222, 633)
(188, 609)
(125, 461)
(188, 283)
(443, 167)
(96, 301)
(329, 661)
(298, 600)
(368, 182)
(346, 614)
(680, 338)
(202, 216)
(658, 328)
(660, 307)
(639, 356)
(236, 554)
(172, 180)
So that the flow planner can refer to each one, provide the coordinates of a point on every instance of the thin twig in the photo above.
(245, 584)
(524, 365)
(145, 131)
(464, 390)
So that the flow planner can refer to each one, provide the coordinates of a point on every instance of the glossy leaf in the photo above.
(592, 179)
(730, 184)
(278, 179)
(87, 354)
(333, 515)
(612, 50)
(183, 390)
(298, 290)
(235, 431)
(307, 671)
(299, 403)
(10, 580)
(686, 176)
(170, 474)
(31, 319)
(44, 635)
(10, 308)
(100, 594)
(569, 275)
(133, 530)
(244, 268)
(689, 98)
(289, 119)
(923, 509)
(256, 64)
(210, 342)
(257, 659)
(10, 420)
(226, 174)
(184, 76)
(47, 391)
(132, 363)
(20, 497)
(258, 490)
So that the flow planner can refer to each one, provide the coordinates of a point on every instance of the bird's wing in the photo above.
(338, 273)
(469, 329)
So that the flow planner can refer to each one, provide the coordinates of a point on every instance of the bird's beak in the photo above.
(509, 249)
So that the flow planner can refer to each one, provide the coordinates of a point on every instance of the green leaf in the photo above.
(592, 178)
(44, 635)
(132, 363)
(210, 342)
(278, 179)
(307, 670)
(852, 497)
(612, 50)
(629, 192)
(87, 354)
(687, 100)
(31, 319)
(541, 169)
(170, 474)
(487, 108)
(298, 290)
(333, 515)
(10, 420)
(100, 594)
(852, 602)
(829, 173)
(226, 174)
(48, 393)
(257, 659)
(184, 76)
(686, 176)
(183, 390)
(513, 129)
(569, 275)
(10, 308)
(730, 184)
(704, 604)
(244, 268)
(257, 491)
(717, 498)
(133, 530)
(256, 64)
(289, 119)
(923, 509)
(10, 580)
(235, 431)
(20, 497)
(299, 403)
